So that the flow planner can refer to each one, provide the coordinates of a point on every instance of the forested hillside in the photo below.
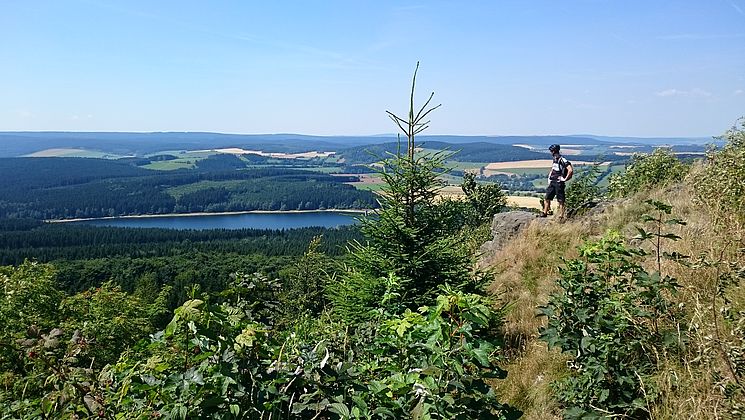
(58, 188)
(469, 152)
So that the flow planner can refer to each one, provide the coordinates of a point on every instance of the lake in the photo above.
(234, 221)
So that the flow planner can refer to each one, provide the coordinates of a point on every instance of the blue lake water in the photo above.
(235, 221)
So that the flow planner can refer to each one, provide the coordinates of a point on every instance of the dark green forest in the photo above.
(88, 256)
(58, 188)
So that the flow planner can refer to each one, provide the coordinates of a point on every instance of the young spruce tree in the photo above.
(410, 248)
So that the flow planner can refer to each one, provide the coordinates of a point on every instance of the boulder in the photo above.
(506, 226)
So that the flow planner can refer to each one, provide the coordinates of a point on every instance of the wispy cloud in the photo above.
(737, 8)
(692, 93)
(313, 56)
(738, 92)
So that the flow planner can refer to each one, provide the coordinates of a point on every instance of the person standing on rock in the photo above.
(561, 172)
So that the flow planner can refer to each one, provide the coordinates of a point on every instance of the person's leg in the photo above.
(550, 193)
(562, 211)
(560, 197)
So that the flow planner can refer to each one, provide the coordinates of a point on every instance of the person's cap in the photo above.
(554, 148)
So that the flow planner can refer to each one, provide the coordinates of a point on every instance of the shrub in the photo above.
(611, 317)
(583, 190)
(213, 361)
(721, 183)
(645, 171)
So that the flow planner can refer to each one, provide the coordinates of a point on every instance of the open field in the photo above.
(177, 192)
(367, 182)
(523, 201)
(171, 165)
(530, 164)
(183, 154)
(517, 171)
(239, 151)
(74, 153)
(465, 165)
(613, 169)
(453, 191)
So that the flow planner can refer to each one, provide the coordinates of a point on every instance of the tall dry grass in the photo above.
(689, 384)
(525, 271)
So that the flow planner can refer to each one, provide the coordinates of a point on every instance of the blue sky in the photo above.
(607, 67)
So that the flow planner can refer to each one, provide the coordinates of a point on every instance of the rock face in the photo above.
(504, 227)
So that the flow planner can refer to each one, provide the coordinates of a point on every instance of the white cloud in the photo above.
(693, 93)
(738, 92)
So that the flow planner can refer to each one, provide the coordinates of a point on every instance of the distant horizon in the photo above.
(354, 135)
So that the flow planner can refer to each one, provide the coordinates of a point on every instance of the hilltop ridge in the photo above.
(20, 143)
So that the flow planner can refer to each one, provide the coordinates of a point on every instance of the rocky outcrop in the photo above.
(506, 226)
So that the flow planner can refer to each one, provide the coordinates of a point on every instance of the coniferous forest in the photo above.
(59, 188)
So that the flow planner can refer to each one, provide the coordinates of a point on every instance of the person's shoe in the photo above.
(542, 214)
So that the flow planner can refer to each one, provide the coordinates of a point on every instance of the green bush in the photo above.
(646, 171)
(583, 190)
(721, 183)
(52, 346)
(615, 320)
(213, 361)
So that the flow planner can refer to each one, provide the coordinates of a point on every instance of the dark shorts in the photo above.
(555, 189)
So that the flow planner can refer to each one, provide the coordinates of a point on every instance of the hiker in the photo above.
(561, 172)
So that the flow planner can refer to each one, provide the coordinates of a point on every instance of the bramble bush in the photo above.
(647, 170)
(616, 320)
(583, 191)
(719, 186)
(53, 345)
(721, 183)
(212, 361)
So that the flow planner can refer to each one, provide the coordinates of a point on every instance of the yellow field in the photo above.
(530, 164)
(54, 152)
(522, 201)
(239, 151)
(71, 152)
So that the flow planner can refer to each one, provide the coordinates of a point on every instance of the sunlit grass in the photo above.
(178, 191)
(171, 165)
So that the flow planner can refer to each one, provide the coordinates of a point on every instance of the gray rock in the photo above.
(506, 226)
